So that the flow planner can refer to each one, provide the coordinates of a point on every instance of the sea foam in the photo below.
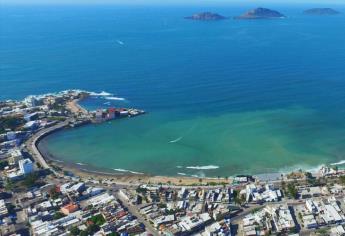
(129, 171)
(338, 163)
(101, 94)
(115, 98)
(209, 167)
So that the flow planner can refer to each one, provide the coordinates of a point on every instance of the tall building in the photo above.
(26, 166)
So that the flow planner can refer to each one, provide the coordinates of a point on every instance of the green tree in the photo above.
(58, 215)
(74, 231)
(292, 190)
(9, 186)
(30, 180)
(342, 179)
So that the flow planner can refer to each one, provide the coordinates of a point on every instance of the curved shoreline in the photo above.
(47, 160)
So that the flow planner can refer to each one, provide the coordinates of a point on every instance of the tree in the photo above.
(292, 191)
(9, 186)
(342, 179)
(53, 193)
(58, 215)
(30, 180)
(3, 164)
(74, 230)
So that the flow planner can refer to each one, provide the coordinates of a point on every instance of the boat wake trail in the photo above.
(120, 42)
(176, 140)
(186, 133)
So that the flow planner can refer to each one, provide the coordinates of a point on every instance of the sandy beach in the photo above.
(90, 172)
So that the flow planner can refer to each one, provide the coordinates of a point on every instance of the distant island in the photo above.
(260, 13)
(206, 16)
(321, 11)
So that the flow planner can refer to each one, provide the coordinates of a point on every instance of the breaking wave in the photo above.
(338, 163)
(209, 167)
(101, 94)
(129, 171)
(115, 98)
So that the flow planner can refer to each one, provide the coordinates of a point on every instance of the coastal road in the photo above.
(31, 143)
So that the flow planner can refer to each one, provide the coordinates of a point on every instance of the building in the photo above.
(26, 166)
(69, 208)
(15, 156)
(3, 208)
(31, 116)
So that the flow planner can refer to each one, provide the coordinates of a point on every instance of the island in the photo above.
(321, 11)
(206, 16)
(260, 13)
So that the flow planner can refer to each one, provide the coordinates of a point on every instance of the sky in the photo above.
(169, 2)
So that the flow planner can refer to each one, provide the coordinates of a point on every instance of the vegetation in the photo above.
(342, 179)
(10, 122)
(58, 215)
(3, 164)
(141, 190)
(238, 198)
(53, 193)
(74, 231)
(9, 186)
(113, 234)
(292, 190)
(98, 219)
(30, 180)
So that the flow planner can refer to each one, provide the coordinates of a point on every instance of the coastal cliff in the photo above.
(260, 13)
(206, 16)
(321, 11)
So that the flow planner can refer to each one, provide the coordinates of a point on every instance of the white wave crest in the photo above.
(101, 94)
(338, 163)
(115, 98)
(129, 171)
(209, 167)
(80, 164)
(180, 173)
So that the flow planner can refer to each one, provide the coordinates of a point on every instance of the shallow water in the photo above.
(222, 97)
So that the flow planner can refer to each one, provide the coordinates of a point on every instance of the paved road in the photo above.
(31, 143)
(134, 211)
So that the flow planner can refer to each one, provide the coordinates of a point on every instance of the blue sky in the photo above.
(168, 2)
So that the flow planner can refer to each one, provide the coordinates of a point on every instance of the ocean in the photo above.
(223, 98)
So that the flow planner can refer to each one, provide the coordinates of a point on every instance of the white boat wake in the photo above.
(176, 140)
(120, 42)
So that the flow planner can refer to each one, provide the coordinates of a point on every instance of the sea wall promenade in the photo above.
(32, 143)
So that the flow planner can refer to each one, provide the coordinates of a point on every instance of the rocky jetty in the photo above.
(206, 16)
(321, 11)
(260, 13)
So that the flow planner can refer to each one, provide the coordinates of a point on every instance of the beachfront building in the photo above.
(26, 166)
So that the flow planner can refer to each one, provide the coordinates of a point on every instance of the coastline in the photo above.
(124, 178)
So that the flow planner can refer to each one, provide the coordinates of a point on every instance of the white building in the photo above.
(26, 166)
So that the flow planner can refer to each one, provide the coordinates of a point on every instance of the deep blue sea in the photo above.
(233, 96)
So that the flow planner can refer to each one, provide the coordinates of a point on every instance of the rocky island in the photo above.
(260, 13)
(321, 11)
(206, 16)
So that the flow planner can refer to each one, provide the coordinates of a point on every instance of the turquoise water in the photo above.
(223, 97)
